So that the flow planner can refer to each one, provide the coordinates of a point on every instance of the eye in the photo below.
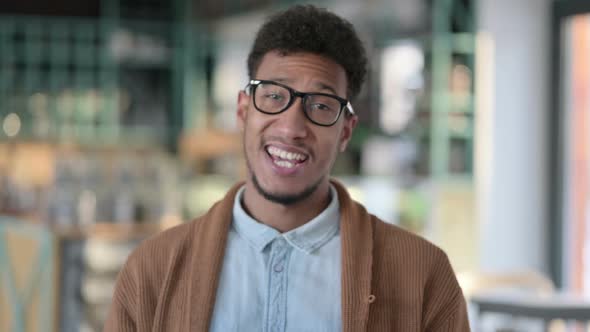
(320, 107)
(273, 96)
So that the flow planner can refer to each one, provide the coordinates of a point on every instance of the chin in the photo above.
(286, 197)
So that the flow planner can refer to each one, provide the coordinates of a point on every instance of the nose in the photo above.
(292, 122)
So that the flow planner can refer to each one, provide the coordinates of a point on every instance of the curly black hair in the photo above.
(306, 28)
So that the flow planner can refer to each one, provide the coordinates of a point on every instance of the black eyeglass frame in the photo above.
(254, 83)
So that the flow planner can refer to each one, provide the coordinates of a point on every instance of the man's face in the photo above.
(289, 157)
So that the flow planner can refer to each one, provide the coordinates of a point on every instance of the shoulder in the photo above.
(160, 247)
(388, 239)
(140, 280)
(169, 239)
(391, 237)
(425, 266)
(400, 250)
(428, 265)
(156, 257)
(166, 251)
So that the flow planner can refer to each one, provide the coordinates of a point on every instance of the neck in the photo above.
(281, 217)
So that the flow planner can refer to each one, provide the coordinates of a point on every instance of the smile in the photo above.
(285, 159)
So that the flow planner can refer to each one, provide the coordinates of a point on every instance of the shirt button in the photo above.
(279, 268)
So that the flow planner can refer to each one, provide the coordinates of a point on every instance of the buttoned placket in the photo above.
(277, 292)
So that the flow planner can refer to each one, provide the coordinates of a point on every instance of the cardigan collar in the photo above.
(210, 237)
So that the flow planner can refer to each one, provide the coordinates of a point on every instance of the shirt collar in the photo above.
(307, 237)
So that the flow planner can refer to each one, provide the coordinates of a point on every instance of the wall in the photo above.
(512, 145)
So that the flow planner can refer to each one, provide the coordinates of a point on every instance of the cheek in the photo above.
(254, 131)
(329, 151)
(257, 122)
(334, 140)
(250, 141)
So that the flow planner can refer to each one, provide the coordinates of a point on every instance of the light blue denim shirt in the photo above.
(273, 282)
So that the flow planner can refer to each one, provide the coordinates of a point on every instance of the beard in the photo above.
(284, 199)
(279, 198)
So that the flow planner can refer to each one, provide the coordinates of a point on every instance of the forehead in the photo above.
(303, 70)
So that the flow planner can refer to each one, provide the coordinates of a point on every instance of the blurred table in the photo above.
(546, 307)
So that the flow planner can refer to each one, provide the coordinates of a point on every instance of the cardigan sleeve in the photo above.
(445, 309)
(455, 322)
(121, 317)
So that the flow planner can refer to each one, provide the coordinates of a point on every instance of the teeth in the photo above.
(284, 154)
(284, 163)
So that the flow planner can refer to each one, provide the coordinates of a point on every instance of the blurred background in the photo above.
(117, 120)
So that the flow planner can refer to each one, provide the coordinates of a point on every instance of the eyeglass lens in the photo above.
(271, 98)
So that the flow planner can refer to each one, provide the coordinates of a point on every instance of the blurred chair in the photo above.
(104, 256)
(28, 283)
(522, 281)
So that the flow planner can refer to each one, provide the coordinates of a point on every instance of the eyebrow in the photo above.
(320, 85)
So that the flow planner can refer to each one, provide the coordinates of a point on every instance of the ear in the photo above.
(243, 104)
(349, 125)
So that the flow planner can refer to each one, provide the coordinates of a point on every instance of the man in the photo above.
(288, 250)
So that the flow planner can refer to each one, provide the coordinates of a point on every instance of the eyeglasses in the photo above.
(321, 109)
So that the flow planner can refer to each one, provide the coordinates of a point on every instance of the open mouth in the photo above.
(285, 159)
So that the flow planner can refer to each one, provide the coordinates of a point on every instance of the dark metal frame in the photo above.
(560, 11)
(344, 104)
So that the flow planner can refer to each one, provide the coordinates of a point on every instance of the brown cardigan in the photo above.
(392, 280)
